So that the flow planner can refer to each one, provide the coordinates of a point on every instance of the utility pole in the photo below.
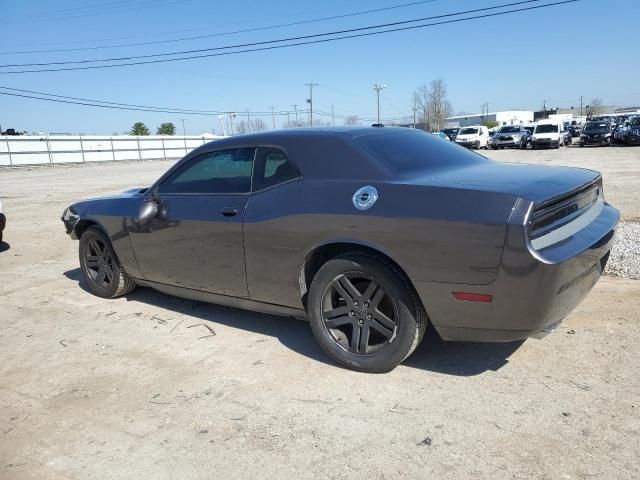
(288, 121)
(295, 107)
(273, 117)
(581, 106)
(310, 101)
(333, 117)
(377, 87)
(544, 108)
(231, 117)
(248, 122)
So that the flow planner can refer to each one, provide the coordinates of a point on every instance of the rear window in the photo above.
(409, 150)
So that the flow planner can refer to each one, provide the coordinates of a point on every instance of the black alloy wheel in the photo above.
(364, 312)
(99, 263)
(359, 314)
(103, 274)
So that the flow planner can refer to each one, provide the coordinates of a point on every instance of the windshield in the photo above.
(509, 130)
(547, 128)
(411, 151)
(468, 131)
(450, 131)
(596, 126)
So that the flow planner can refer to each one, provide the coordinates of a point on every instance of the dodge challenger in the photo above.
(368, 233)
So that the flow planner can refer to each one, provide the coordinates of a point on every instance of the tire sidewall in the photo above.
(405, 337)
(93, 233)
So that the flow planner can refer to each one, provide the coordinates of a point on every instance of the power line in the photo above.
(199, 37)
(149, 109)
(273, 47)
(90, 10)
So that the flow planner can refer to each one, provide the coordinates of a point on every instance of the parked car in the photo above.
(619, 133)
(632, 136)
(548, 133)
(574, 129)
(473, 137)
(596, 133)
(441, 135)
(3, 220)
(451, 133)
(369, 233)
(510, 136)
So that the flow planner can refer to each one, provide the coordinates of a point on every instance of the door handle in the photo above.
(229, 211)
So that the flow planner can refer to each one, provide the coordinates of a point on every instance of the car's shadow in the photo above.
(4, 246)
(433, 354)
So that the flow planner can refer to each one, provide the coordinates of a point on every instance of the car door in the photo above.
(196, 240)
(274, 244)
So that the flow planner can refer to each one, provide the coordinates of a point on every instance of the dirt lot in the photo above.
(139, 388)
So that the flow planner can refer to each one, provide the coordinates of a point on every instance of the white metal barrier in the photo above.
(58, 149)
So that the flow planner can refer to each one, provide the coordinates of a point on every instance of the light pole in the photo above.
(310, 101)
(230, 115)
(295, 107)
(184, 135)
(377, 87)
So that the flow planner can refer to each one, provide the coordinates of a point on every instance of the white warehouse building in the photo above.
(510, 117)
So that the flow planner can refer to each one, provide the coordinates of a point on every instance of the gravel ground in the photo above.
(138, 387)
(624, 260)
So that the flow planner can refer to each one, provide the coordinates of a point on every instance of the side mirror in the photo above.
(148, 211)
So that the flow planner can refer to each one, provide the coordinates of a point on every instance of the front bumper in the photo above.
(506, 143)
(469, 144)
(534, 290)
(594, 141)
(545, 143)
(69, 219)
(632, 139)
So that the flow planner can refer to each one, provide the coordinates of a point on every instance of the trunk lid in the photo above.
(538, 183)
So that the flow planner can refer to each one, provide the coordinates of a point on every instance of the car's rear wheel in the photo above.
(103, 274)
(364, 313)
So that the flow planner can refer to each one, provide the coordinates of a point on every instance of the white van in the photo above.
(475, 136)
(548, 133)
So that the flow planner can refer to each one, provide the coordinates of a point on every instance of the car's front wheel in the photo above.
(103, 274)
(364, 313)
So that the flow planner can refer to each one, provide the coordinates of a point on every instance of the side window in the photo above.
(227, 171)
(273, 168)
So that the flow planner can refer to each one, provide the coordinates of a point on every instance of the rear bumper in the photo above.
(534, 290)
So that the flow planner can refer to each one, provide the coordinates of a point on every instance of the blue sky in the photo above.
(512, 62)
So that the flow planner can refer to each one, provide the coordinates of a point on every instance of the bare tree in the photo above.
(352, 120)
(596, 108)
(439, 105)
(258, 125)
(253, 125)
(421, 103)
(432, 104)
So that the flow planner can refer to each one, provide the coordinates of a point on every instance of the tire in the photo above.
(397, 312)
(101, 270)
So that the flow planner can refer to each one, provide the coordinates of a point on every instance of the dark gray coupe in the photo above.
(369, 233)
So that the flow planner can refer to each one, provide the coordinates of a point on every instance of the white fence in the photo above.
(51, 150)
